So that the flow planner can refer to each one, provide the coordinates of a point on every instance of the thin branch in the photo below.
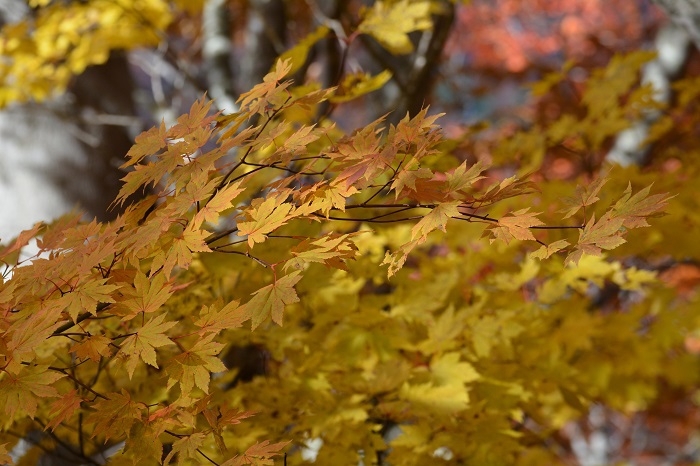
(75, 334)
(209, 459)
(216, 237)
(75, 379)
(38, 444)
(248, 255)
(224, 181)
(81, 433)
(68, 448)
(232, 243)
(380, 189)
(559, 227)
(179, 436)
(371, 219)
(84, 316)
(274, 165)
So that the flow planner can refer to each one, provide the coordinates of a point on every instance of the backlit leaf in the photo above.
(271, 300)
(144, 342)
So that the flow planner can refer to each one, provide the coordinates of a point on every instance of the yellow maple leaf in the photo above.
(19, 393)
(143, 343)
(390, 22)
(193, 367)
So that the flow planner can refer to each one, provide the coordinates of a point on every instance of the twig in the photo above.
(248, 255)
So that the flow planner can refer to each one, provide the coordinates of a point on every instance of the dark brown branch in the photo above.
(370, 219)
(287, 169)
(68, 448)
(216, 237)
(84, 316)
(248, 255)
(75, 379)
(559, 227)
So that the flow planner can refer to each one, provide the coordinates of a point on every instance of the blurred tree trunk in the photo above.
(414, 74)
(685, 13)
(265, 34)
(671, 44)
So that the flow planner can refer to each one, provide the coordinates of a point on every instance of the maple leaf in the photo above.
(436, 219)
(606, 233)
(271, 300)
(5, 458)
(21, 241)
(294, 145)
(180, 252)
(95, 347)
(147, 143)
(87, 295)
(263, 217)
(269, 91)
(147, 296)
(259, 454)
(448, 399)
(114, 416)
(407, 177)
(143, 174)
(510, 187)
(447, 369)
(19, 392)
(194, 119)
(545, 251)
(428, 191)
(220, 202)
(214, 321)
(460, 178)
(27, 335)
(222, 416)
(63, 409)
(323, 197)
(186, 448)
(194, 366)
(358, 84)
(142, 344)
(584, 196)
(397, 259)
(517, 226)
(332, 250)
(143, 440)
(634, 209)
(390, 24)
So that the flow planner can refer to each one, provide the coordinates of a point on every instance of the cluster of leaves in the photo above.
(104, 312)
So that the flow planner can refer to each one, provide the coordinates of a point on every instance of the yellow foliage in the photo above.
(39, 58)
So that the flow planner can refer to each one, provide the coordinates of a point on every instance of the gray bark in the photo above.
(217, 54)
(264, 40)
(671, 45)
